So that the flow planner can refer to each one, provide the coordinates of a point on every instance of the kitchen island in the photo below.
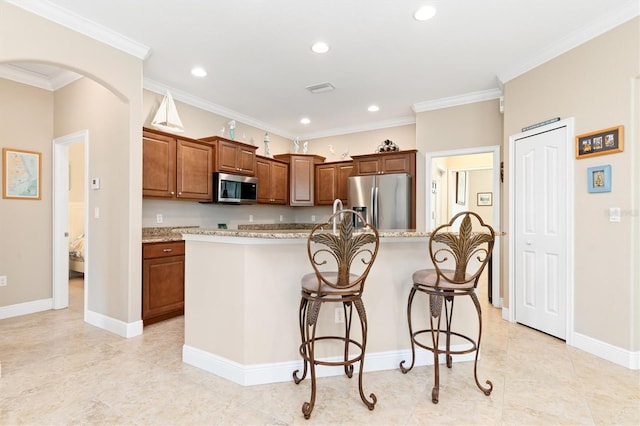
(242, 295)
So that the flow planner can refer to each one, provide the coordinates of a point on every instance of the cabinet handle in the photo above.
(167, 250)
(172, 193)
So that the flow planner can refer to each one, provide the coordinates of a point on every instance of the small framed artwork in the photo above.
(607, 141)
(461, 188)
(21, 176)
(599, 178)
(485, 198)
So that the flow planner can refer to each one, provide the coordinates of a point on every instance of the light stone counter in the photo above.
(287, 234)
(242, 295)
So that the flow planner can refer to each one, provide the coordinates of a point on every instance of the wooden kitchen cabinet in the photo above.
(175, 167)
(273, 181)
(162, 281)
(233, 157)
(301, 177)
(331, 182)
(385, 162)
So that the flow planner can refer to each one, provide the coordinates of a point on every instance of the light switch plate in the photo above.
(95, 183)
(614, 214)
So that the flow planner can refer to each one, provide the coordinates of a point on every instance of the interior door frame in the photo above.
(497, 256)
(570, 209)
(60, 261)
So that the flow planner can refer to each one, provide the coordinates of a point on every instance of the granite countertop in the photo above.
(266, 230)
(163, 234)
(286, 233)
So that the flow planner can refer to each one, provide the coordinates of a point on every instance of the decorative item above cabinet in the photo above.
(232, 156)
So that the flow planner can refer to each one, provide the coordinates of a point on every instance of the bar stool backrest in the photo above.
(461, 249)
(342, 259)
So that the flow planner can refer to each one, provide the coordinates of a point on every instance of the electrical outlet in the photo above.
(250, 218)
(339, 316)
(281, 218)
(3, 280)
(159, 218)
(313, 218)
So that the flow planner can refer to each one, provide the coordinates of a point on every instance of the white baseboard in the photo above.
(258, 374)
(606, 351)
(505, 314)
(121, 328)
(25, 308)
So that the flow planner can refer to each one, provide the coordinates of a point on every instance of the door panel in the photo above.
(540, 232)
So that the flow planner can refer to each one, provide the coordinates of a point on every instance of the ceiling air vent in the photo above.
(321, 88)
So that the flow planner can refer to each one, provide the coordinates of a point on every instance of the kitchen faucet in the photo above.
(337, 202)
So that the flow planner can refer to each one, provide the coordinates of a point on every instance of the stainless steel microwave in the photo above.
(234, 189)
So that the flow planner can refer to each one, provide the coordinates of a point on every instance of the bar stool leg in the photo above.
(303, 347)
(485, 390)
(404, 370)
(435, 308)
(310, 330)
(348, 368)
(364, 327)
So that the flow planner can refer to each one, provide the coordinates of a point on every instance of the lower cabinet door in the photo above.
(163, 288)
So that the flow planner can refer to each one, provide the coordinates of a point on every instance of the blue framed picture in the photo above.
(599, 178)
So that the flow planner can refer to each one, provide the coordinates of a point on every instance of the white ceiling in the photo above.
(257, 52)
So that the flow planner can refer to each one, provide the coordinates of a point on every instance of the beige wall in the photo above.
(86, 104)
(594, 84)
(26, 122)
(361, 143)
(22, 37)
(466, 126)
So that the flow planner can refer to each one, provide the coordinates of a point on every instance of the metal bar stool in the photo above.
(341, 261)
(467, 250)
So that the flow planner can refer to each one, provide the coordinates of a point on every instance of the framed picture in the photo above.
(461, 188)
(485, 198)
(21, 174)
(602, 142)
(599, 178)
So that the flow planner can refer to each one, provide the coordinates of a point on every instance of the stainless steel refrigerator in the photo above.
(383, 200)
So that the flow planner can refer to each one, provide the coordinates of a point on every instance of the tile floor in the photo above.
(57, 370)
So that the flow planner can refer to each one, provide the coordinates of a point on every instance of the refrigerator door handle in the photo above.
(374, 206)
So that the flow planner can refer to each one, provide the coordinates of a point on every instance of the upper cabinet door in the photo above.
(158, 165)
(247, 160)
(227, 157)
(233, 157)
(194, 170)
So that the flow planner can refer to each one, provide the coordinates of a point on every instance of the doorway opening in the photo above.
(479, 169)
(70, 220)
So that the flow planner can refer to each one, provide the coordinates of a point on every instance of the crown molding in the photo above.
(75, 22)
(187, 98)
(50, 83)
(605, 23)
(467, 98)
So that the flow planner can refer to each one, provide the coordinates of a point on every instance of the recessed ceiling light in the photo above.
(305, 120)
(373, 108)
(198, 72)
(320, 47)
(425, 13)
